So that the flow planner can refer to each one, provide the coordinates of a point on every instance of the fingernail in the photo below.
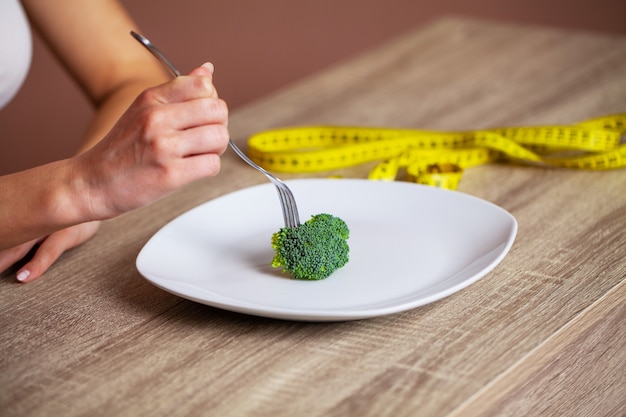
(22, 275)
(209, 66)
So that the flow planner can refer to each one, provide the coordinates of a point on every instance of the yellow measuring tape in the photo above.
(439, 158)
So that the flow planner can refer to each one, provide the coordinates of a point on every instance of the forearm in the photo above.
(39, 201)
(127, 159)
(92, 40)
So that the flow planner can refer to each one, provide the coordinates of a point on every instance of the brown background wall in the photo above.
(258, 47)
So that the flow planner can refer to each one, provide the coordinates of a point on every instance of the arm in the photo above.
(91, 39)
(171, 135)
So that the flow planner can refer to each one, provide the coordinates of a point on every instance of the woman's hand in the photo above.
(171, 135)
(48, 251)
(142, 143)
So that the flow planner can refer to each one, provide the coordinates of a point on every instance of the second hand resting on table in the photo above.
(171, 135)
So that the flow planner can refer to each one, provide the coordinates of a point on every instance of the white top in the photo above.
(15, 49)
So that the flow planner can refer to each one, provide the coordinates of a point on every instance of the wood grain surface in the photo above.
(542, 334)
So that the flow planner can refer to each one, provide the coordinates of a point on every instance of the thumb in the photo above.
(205, 70)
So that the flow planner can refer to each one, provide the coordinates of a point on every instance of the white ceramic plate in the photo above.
(409, 245)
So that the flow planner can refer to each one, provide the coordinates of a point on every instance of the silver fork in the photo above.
(287, 200)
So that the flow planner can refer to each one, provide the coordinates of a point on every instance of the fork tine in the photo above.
(284, 203)
(290, 206)
(290, 209)
(295, 218)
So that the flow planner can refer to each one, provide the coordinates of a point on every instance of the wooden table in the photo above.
(542, 334)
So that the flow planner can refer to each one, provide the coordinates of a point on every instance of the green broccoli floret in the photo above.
(313, 250)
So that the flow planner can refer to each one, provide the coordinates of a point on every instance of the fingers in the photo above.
(52, 247)
(205, 69)
(195, 125)
(196, 167)
(208, 139)
(13, 255)
(156, 146)
(185, 102)
(194, 113)
(198, 84)
(43, 258)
